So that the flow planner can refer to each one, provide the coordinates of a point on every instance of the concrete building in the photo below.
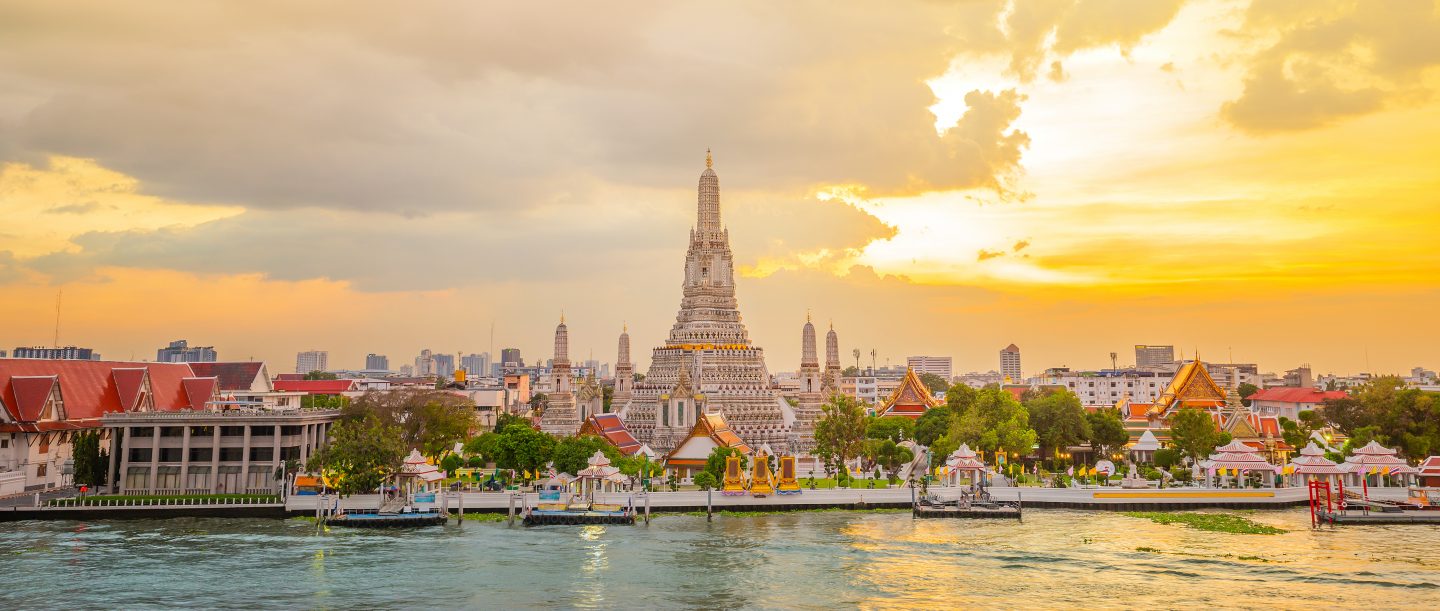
(312, 360)
(1289, 402)
(1010, 363)
(211, 451)
(66, 353)
(445, 365)
(869, 387)
(377, 362)
(976, 379)
(476, 365)
(180, 351)
(1153, 356)
(938, 365)
(510, 358)
(1299, 377)
(1106, 387)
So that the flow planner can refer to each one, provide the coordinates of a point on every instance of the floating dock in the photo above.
(1379, 517)
(977, 510)
(539, 517)
(390, 520)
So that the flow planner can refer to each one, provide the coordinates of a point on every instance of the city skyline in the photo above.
(948, 181)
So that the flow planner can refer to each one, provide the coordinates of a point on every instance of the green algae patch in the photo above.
(1211, 522)
(777, 512)
(488, 517)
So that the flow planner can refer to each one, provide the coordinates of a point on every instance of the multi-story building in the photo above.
(1153, 356)
(312, 360)
(976, 379)
(1299, 377)
(938, 365)
(377, 362)
(870, 387)
(72, 353)
(180, 351)
(1010, 363)
(444, 365)
(510, 359)
(1106, 387)
(476, 364)
(192, 451)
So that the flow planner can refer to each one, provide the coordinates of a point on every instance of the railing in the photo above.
(116, 502)
(240, 412)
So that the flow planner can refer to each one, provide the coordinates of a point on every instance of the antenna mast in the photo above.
(58, 294)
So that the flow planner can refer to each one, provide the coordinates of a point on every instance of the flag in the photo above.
(1070, 470)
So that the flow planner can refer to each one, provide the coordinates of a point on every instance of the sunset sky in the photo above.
(1257, 179)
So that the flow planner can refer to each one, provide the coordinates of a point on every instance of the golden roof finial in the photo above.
(624, 327)
(807, 315)
(562, 317)
(709, 162)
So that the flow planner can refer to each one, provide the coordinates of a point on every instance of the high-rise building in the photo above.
(72, 353)
(938, 365)
(425, 363)
(377, 362)
(312, 360)
(1010, 363)
(180, 351)
(510, 358)
(445, 365)
(1154, 356)
(476, 365)
(708, 365)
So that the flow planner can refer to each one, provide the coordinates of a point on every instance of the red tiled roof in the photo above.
(1297, 395)
(30, 394)
(316, 387)
(612, 429)
(232, 376)
(199, 391)
(129, 381)
(88, 388)
(1431, 467)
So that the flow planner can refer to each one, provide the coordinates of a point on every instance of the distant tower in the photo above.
(809, 362)
(561, 416)
(831, 382)
(624, 372)
(1010, 364)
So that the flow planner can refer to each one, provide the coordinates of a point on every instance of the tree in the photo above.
(840, 432)
(362, 453)
(960, 397)
(1297, 432)
(1059, 421)
(608, 397)
(932, 424)
(524, 448)
(1167, 457)
(505, 418)
(1391, 413)
(324, 402)
(486, 446)
(886, 454)
(430, 420)
(894, 428)
(706, 481)
(1193, 432)
(715, 462)
(1107, 431)
(320, 375)
(572, 454)
(1245, 390)
(539, 402)
(450, 463)
(850, 371)
(935, 383)
(996, 422)
(90, 462)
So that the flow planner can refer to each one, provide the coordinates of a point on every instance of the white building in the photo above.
(1154, 356)
(312, 360)
(937, 365)
(1010, 363)
(1107, 387)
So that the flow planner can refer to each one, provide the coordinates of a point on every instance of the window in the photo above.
(41, 469)
(172, 431)
(201, 455)
(171, 455)
(202, 431)
(139, 454)
(167, 477)
(137, 478)
(259, 477)
(45, 443)
(262, 454)
(197, 477)
(262, 431)
(5, 443)
(290, 453)
(232, 454)
(232, 431)
(290, 430)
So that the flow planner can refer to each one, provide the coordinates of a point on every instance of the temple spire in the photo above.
(709, 161)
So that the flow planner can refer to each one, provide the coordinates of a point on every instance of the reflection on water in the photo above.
(814, 560)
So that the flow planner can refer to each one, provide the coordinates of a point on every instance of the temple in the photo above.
(612, 429)
(813, 392)
(1193, 388)
(911, 399)
(710, 432)
(708, 365)
(562, 415)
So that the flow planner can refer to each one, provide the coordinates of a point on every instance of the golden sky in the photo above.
(1255, 179)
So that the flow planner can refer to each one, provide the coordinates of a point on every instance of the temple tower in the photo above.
(809, 361)
(831, 382)
(561, 416)
(624, 372)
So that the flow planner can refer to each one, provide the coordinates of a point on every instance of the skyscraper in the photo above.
(476, 364)
(444, 365)
(377, 362)
(1154, 356)
(180, 351)
(312, 360)
(1010, 363)
(938, 365)
(510, 358)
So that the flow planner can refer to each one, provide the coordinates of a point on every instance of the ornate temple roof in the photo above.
(912, 398)
(1192, 386)
(711, 427)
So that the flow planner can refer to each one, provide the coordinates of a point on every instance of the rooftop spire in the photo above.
(709, 161)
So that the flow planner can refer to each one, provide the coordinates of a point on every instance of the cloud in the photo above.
(78, 208)
(1020, 245)
(984, 255)
(1332, 61)
(1048, 28)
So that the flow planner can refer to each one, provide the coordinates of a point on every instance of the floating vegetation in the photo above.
(1212, 522)
(488, 517)
(775, 512)
(1147, 549)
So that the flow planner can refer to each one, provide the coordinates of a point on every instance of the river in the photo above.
(816, 560)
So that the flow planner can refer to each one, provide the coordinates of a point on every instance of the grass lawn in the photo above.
(167, 498)
(1212, 522)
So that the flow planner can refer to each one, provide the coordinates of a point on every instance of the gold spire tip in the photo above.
(709, 161)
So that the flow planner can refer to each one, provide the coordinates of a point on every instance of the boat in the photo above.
(378, 519)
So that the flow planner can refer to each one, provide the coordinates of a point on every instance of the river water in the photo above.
(816, 560)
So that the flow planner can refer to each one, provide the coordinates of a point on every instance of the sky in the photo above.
(1252, 181)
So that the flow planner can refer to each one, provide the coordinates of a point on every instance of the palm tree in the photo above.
(857, 358)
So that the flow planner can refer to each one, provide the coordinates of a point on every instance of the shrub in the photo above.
(1167, 457)
(706, 480)
(1062, 481)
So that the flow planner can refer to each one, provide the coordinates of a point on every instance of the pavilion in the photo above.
(911, 398)
(963, 462)
(600, 476)
(1312, 465)
(1378, 460)
(1239, 459)
(418, 475)
(1144, 450)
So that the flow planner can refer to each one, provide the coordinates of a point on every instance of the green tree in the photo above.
(1297, 432)
(960, 397)
(430, 420)
(1059, 421)
(321, 375)
(324, 402)
(1166, 457)
(935, 383)
(524, 448)
(715, 462)
(450, 463)
(572, 454)
(486, 446)
(1107, 431)
(706, 481)
(505, 418)
(1245, 390)
(850, 371)
(363, 453)
(996, 421)
(840, 432)
(941, 449)
(887, 454)
(608, 396)
(539, 402)
(894, 428)
(1194, 433)
(90, 462)
(933, 423)
(1391, 413)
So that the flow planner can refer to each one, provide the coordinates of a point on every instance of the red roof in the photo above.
(199, 391)
(90, 389)
(612, 429)
(1431, 467)
(1287, 394)
(232, 376)
(316, 387)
